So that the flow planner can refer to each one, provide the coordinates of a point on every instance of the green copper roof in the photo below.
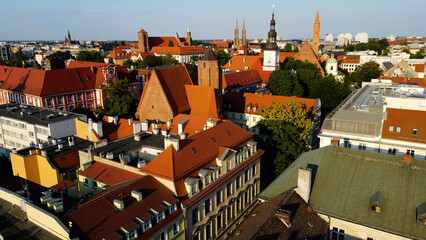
(345, 180)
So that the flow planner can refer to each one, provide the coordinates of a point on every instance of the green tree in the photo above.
(330, 91)
(151, 61)
(19, 60)
(128, 63)
(168, 59)
(386, 52)
(90, 56)
(285, 83)
(115, 44)
(119, 101)
(85, 111)
(365, 73)
(171, 43)
(223, 56)
(419, 54)
(285, 128)
(195, 58)
(287, 48)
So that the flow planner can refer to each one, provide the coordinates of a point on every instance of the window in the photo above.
(146, 225)
(246, 176)
(133, 234)
(213, 140)
(398, 129)
(160, 216)
(163, 236)
(239, 204)
(361, 146)
(237, 183)
(31, 134)
(207, 207)
(49, 102)
(390, 128)
(60, 102)
(194, 150)
(229, 212)
(206, 180)
(392, 151)
(337, 234)
(218, 197)
(414, 131)
(193, 188)
(219, 221)
(173, 208)
(347, 144)
(253, 170)
(86, 182)
(194, 216)
(208, 230)
(79, 98)
(70, 99)
(228, 189)
(410, 152)
(95, 184)
(176, 228)
(254, 119)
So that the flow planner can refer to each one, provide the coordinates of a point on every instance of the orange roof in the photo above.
(142, 31)
(254, 46)
(184, 50)
(194, 124)
(113, 132)
(108, 174)
(398, 80)
(196, 152)
(61, 186)
(202, 100)
(239, 79)
(420, 68)
(350, 59)
(306, 53)
(223, 43)
(80, 64)
(239, 101)
(407, 120)
(164, 41)
(66, 161)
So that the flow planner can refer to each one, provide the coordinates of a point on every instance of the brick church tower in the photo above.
(143, 41)
(315, 38)
(210, 74)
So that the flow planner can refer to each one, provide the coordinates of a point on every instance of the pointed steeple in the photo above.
(315, 37)
(272, 35)
(236, 26)
(244, 37)
(188, 36)
(237, 36)
(189, 30)
(271, 52)
(244, 23)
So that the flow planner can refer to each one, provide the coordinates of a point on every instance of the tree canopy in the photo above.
(375, 45)
(119, 100)
(90, 56)
(285, 83)
(365, 73)
(168, 59)
(283, 131)
(223, 56)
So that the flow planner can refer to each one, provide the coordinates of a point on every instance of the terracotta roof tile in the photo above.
(113, 132)
(398, 80)
(108, 174)
(407, 120)
(306, 53)
(239, 79)
(80, 64)
(202, 100)
(195, 124)
(180, 50)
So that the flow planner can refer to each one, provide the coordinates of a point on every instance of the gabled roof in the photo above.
(196, 152)
(306, 53)
(80, 64)
(305, 223)
(239, 101)
(113, 132)
(407, 120)
(164, 41)
(202, 101)
(194, 124)
(99, 218)
(398, 80)
(239, 79)
(107, 174)
(344, 180)
(404, 66)
(179, 50)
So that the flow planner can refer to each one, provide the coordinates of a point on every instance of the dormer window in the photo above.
(193, 189)
(376, 202)
(173, 207)
(421, 214)
(390, 128)
(398, 129)
(160, 216)
(414, 131)
(248, 108)
(146, 225)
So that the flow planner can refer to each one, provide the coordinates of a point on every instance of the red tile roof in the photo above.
(420, 68)
(108, 174)
(195, 124)
(239, 79)
(195, 152)
(61, 186)
(99, 218)
(66, 161)
(202, 101)
(80, 64)
(183, 50)
(407, 120)
(113, 132)
(239, 101)
(164, 41)
(306, 53)
(398, 80)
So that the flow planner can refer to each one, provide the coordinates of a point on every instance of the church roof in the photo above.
(210, 56)
(306, 53)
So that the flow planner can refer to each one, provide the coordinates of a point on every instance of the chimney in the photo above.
(169, 122)
(60, 146)
(137, 137)
(137, 195)
(182, 135)
(171, 141)
(119, 204)
(205, 127)
(116, 120)
(130, 121)
(211, 123)
(71, 141)
(304, 183)
(284, 216)
(407, 158)
(182, 125)
(121, 157)
(164, 132)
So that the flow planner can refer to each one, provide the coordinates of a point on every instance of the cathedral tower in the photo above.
(244, 34)
(188, 36)
(236, 36)
(271, 53)
(315, 38)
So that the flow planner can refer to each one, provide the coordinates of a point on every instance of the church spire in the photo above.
(237, 36)
(272, 35)
(316, 35)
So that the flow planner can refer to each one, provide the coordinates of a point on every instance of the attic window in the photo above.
(227, 132)
(194, 150)
(414, 131)
(376, 202)
(421, 214)
(213, 140)
(398, 129)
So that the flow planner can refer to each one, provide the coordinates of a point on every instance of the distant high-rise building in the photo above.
(391, 37)
(329, 37)
(5, 53)
(361, 37)
(271, 53)
(315, 38)
(344, 39)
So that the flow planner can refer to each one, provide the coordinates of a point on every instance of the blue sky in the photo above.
(214, 19)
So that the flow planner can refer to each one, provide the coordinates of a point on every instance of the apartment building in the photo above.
(24, 126)
(380, 117)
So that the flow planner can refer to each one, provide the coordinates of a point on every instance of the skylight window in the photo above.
(213, 140)
(227, 132)
(414, 131)
(194, 150)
